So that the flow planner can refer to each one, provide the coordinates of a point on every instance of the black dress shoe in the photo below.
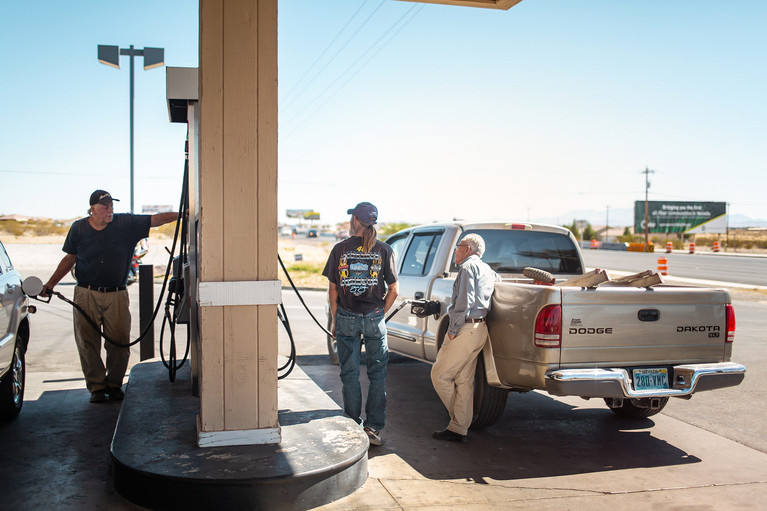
(450, 436)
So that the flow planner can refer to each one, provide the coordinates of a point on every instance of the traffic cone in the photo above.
(669, 247)
(662, 265)
(716, 246)
(692, 247)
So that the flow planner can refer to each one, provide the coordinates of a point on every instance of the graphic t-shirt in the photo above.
(361, 277)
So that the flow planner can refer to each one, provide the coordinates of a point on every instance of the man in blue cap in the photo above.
(362, 287)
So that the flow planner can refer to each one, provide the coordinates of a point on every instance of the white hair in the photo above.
(476, 243)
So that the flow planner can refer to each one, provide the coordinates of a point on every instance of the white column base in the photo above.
(238, 437)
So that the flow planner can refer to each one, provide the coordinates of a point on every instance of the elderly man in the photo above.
(453, 372)
(102, 246)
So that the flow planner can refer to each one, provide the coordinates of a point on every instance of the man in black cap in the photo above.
(100, 248)
(362, 287)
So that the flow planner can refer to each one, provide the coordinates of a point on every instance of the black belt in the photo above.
(103, 289)
(475, 320)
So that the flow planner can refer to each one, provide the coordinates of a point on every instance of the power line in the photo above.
(402, 24)
(336, 54)
(80, 174)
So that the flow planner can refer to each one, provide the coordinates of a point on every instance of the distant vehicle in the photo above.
(286, 231)
(14, 338)
(311, 233)
(342, 235)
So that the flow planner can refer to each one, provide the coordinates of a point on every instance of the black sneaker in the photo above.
(115, 394)
(450, 436)
(98, 396)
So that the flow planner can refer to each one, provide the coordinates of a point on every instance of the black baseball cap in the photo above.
(102, 197)
(365, 212)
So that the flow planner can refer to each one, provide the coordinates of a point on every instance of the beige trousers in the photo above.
(453, 374)
(111, 311)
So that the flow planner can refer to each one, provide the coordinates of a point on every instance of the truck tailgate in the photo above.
(615, 326)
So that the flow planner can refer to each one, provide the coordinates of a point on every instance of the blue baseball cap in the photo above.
(365, 213)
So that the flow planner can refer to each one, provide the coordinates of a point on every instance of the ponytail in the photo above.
(369, 237)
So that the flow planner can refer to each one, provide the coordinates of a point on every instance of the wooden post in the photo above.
(238, 221)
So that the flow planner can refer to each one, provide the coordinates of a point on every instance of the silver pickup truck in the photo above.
(632, 341)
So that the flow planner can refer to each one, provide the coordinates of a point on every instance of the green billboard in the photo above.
(681, 217)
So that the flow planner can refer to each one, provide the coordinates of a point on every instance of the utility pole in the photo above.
(646, 173)
(607, 222)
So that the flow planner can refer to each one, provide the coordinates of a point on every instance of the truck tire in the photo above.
(637, 408)
(538, 275)
(489, 402)
(332, 345)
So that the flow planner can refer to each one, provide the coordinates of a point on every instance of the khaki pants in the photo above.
(453, 374)
(111, 311)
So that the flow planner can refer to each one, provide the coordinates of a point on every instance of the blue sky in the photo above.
(430, 112)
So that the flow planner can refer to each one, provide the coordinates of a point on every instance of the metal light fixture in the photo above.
(110, 56)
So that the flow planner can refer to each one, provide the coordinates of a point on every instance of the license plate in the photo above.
(651, 379)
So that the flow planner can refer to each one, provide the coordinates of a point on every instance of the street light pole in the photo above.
(153, 57)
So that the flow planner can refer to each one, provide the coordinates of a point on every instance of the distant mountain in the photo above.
(744, 221)
(625, 218)
(614, 218)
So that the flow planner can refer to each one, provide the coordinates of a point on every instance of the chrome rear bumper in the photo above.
(616, 382)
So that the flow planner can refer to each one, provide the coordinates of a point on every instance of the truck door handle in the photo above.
(648, 315)
(418, 295)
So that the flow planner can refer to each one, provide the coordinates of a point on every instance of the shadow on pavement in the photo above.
(538, 436)
(56, 454)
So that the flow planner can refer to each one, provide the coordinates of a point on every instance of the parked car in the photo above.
(312, 233)
(14, 338)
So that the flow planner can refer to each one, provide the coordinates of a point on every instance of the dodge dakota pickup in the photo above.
(632, 341)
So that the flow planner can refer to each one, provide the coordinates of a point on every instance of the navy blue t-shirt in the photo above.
(104, 257)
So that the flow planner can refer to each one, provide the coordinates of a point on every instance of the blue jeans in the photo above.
(350, 329)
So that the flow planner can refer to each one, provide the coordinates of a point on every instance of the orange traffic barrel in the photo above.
(716, 246)
(593, 243)
(669, 247)
(662, 266)
(692, 247)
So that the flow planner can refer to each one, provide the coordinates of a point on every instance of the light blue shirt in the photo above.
(472, 290)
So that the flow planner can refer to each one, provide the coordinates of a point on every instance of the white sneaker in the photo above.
(374, 436)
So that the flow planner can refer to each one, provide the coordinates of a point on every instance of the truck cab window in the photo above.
(420, 254)
(397, 244)
(510, 251)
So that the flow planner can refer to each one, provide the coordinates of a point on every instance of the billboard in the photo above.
(305, 214)
(682, 217)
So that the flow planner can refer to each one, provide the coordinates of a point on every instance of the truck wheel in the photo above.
(332, 345)
(637, 408)
(12, 385)
(489, 402)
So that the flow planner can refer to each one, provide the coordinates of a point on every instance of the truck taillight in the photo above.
(730, 315)
(548, 327)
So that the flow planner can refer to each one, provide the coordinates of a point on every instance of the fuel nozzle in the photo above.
(33, 286)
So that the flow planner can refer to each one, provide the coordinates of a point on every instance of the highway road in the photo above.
(739, 269)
